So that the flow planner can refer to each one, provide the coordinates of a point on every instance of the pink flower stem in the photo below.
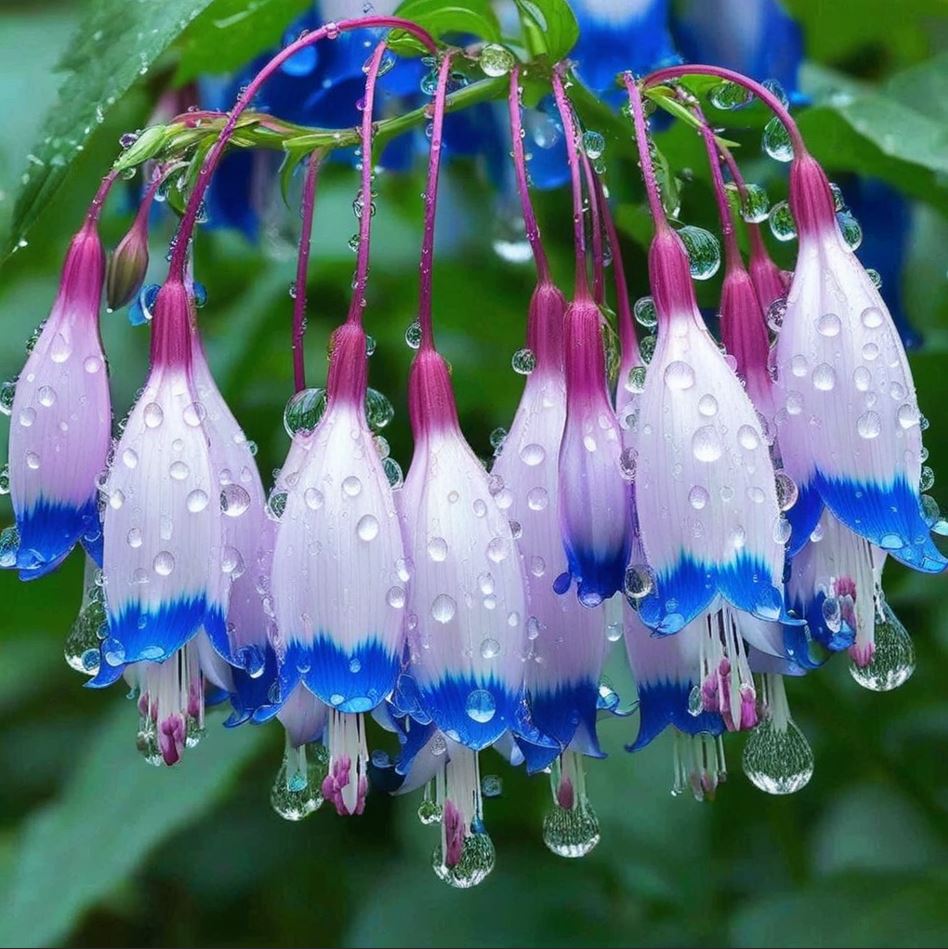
(365, 218)
(645, 154)
(758, 247)
(426, 266)
(302, 268)
(762, 93)
(627, 337)
(732, 252)
(581, 291)
(330, 30)
(95, 208)
(595, 225)
(159, 177)
(520, 168)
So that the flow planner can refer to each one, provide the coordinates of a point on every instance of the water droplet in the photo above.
(532, 454)
(46, 396)
(706, 444)
(134, 538)
(234, 500)
(869, 424)
(872, 317)
(636, 380)
(153, 415)
(729, 95)
(787, 490)
(777, 760)
(492, 785)
(748, 437)
(639, 581)
(704, 251)
(537, 499)
(379, 411)
(197, 501)
(496, 60)
(755, 205)
(698, 497)
(474, 864)
(824, 377)
(571, 831)
(443, 608)
(829, 325)
(645, 314)
(163, 563)
(438, 549)
(27, 417)
(413, 335)
(679, 376)
(782, 224)
(7, 394)
(907, 415)
(850, 229)
(524, 361)
(480, 706)
(490, 648)
(60, 348)
(393, 471)
(776, 141)
(926, 479)
(594, 144)
(351, 486)
(303, 411)
(179, 470)
(893, 659)
(297, 790)
(367, 528)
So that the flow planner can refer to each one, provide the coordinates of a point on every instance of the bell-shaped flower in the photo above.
(568, 639)
(467, 609)
(593, 496)
(339, 574)
(247, 542)
(849, 420)
(61, 422)
(164, 563)
(705, 491)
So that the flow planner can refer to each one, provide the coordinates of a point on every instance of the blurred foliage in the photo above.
(98, 849)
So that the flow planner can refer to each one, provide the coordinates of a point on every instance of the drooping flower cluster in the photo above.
(728, 508)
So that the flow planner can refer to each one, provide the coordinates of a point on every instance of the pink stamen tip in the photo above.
(846, 586)
(862, 654)
(171, 736)
(748, 708)
(565, 795)
(453, 834)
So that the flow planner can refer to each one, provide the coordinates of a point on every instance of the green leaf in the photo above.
(896, 131)
(232, 33)
(550, 27)
(852, 909)
(112, 811)
(445, 19)
(115, 45)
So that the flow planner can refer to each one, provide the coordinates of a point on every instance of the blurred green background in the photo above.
(97, 848)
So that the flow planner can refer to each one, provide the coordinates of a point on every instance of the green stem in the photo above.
(485, 90)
